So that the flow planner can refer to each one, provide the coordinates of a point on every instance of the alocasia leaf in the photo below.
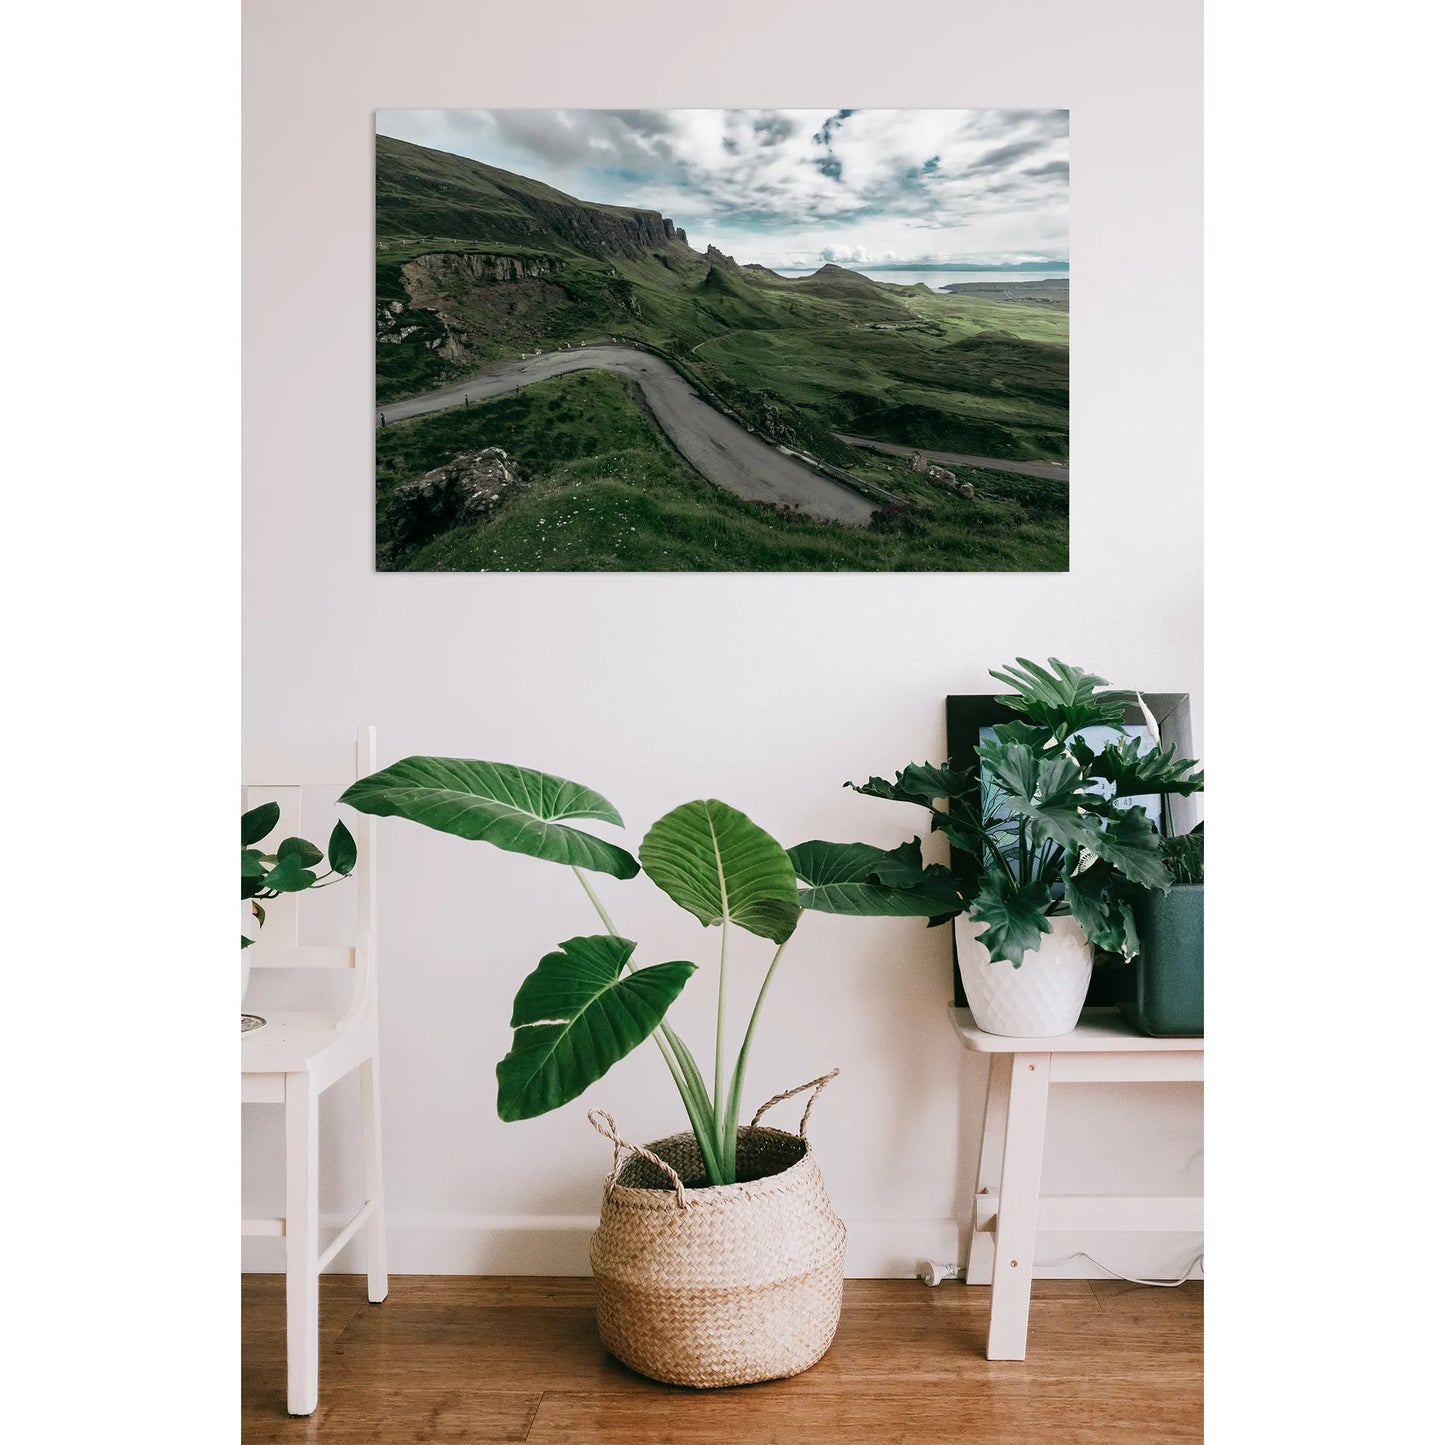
(518, 809)
(575, 1016)
(864, 881)
(718, 864)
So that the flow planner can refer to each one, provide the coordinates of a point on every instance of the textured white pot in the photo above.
(1039, 1000)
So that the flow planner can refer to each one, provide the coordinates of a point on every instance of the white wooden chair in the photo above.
(295, 1056)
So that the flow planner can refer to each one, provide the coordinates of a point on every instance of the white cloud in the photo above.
(772, 186)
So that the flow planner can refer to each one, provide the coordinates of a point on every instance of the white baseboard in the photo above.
(558, 1244)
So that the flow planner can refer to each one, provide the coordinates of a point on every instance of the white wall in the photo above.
(766, 691)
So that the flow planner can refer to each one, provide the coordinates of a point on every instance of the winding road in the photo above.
(1058, 471)
(727, 454)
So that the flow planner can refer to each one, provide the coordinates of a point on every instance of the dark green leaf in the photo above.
(1048, 792)
(258, 913)
(1015, 917)
(288, 876)
(718, 864)
(1157, 771)
(518, 809)
(1093, 898)
(252, 865)
(1131, 844)
(258, 822)
(575, 1017)
(306, 854)
(246, 942)
(859, 879)
(920, 783)
(341, 850)
(1063, 699)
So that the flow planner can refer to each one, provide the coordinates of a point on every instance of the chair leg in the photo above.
(302, 1276)
(376, 1280)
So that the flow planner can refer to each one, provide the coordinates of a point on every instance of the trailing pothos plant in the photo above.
(1051, 822)
(588, 1004)
(292, 868)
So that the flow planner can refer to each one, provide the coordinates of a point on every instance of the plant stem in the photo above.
(735, 1094)
(680, 1064)
(596, 902)
(722, 996)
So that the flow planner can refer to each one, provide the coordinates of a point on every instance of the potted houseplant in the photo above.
(718, 1258)
(1065, 854)
(292, 868)
(1163, 987)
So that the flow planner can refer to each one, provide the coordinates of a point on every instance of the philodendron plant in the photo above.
(1057, 829)
(588, 1004)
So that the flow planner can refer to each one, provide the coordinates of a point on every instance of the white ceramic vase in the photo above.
(1039, 1000)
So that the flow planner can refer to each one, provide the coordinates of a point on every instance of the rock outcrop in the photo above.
(428, 277)
(925, 468)
(469, 488)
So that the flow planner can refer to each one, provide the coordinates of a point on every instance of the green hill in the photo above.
(475, 264)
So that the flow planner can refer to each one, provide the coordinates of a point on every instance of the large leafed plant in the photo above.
(588, 1003)
(1053, 825)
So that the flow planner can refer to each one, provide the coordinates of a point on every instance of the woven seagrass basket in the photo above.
(718, 1285)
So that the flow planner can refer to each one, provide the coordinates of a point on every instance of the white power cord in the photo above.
(1127, 1278)
(933, 1272)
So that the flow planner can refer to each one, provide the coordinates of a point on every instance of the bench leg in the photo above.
(978, 1268)
(1018, 1210)
(302, 1282)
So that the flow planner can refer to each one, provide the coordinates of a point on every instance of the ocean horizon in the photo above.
(934, 278)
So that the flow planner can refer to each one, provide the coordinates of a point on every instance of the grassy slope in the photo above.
(801, 357)
(606, 492)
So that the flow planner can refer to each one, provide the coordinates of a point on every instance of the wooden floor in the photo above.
(450, 1358)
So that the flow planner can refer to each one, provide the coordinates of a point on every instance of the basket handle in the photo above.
(816, 1085)
(606, 1125)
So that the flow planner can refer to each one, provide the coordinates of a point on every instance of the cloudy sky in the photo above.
(796, 187)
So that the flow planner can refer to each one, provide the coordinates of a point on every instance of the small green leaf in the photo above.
(252, 865)
(718, 864)
(306, 854)
(341, 850)
(258, 822)
(289, 876)
(1015, 917)
(575, 1017)
(246, 942)
(258, 913)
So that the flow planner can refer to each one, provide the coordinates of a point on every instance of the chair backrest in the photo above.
(288, 774)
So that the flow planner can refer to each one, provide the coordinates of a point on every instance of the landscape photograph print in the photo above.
(722, 340)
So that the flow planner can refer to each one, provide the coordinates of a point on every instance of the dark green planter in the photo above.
(1162, 992)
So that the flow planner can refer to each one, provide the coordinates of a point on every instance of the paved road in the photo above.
(1059, 471)
(722, 451)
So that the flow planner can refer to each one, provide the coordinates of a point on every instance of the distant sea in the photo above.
(936, 279)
